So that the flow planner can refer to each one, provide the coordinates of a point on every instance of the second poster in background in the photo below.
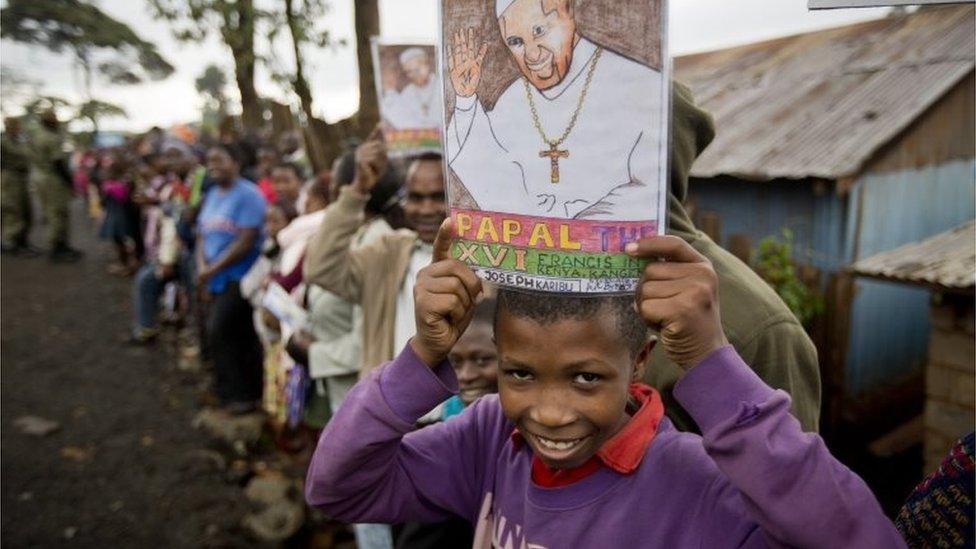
(556, 137)
(410, 96)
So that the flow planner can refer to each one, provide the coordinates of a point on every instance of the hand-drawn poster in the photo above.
(556, 138)
(409, 95)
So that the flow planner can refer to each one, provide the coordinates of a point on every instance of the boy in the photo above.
(570, 453)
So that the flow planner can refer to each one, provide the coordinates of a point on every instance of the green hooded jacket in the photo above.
(757, 323)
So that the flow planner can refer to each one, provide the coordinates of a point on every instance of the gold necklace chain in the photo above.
(576, 113)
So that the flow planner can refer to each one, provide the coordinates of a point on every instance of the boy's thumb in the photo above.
(442, 243)
(376, 134)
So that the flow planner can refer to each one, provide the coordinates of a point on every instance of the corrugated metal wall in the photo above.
(762, 209)
(889, 322)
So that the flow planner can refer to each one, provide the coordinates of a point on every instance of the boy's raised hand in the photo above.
(444, 298)
(678, 296)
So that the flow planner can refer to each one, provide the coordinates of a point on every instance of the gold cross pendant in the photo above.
(554, 155)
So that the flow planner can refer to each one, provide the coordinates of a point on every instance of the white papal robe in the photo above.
(391, 108)
(617, 151)
(415, 107)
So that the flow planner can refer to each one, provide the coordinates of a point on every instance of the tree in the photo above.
(94, 110)
(300, 18)
(211, 84)
(367, 25)
(774, 263)
(38, 105)
(89, 34)
(16, 90)
(236, 21)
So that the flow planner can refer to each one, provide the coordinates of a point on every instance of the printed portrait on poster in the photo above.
(410, 96)
(556, 116)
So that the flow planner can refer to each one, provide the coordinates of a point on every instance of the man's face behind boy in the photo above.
(563, 383)
(475, 363)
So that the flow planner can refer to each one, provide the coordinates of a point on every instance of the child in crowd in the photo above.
(291, 374)
(267, 160)
(287, 180)
(294, 238)
(574, 453)
(253, 285)
(118, 225)
(163, 205)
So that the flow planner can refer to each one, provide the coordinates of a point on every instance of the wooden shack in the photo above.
(945, 267)
(858, 139)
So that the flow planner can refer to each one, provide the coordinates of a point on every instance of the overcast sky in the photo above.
(695, 25)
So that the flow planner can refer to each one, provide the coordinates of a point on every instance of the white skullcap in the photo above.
(409, 53)
(501, 6)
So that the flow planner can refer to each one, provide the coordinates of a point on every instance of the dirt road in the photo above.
(125, 468)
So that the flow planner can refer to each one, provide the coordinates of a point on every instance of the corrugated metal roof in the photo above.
(947, 259)
(821, 104)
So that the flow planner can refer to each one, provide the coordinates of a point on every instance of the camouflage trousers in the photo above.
(56, 201)
(15, 208)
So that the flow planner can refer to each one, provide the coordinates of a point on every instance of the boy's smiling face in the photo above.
(564, 383)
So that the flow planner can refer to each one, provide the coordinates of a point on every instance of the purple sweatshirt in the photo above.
(753, 480)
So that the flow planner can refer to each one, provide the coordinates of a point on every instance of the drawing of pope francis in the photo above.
(578, 135)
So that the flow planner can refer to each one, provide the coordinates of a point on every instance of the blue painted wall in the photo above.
(817, 219)
(889, 324)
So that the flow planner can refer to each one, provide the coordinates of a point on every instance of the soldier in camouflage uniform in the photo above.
(15, 202)
(52, 180)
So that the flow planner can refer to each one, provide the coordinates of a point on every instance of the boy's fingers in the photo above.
(446, 306)
(372, 147)
(667, 270)
(657, 311)
(660, 289)
(460, 271)
(449, 285)
(671, 248)
(442, 243)
(376, 134)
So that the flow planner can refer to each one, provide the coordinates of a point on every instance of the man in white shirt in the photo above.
(379, 276)
(579, 135)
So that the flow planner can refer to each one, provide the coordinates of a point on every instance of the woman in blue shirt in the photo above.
(228, 243)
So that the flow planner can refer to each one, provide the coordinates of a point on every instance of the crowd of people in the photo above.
(328, 301)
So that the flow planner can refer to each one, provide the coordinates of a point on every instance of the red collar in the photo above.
(622, 453)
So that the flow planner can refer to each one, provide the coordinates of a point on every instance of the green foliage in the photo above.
(84, 30)
(94, 110)
(302, 20)
(300, 17)
(194, 20)
(16, 90)
(774, 263)
(43, 103)
(211, 84)
(236, 22)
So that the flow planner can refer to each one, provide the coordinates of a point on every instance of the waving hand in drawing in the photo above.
(464, 60)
